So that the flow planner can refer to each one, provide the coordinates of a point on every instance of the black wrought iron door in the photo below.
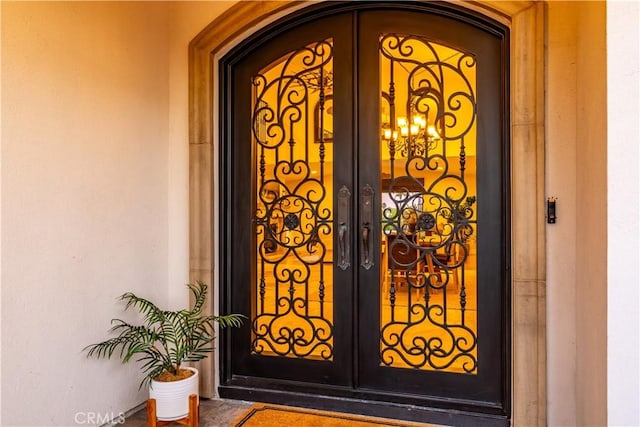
(365, 210)
(292, 179)
(435, 164)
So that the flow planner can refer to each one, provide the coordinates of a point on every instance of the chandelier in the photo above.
(410, 137)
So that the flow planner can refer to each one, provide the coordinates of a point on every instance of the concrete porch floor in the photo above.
(213, 413)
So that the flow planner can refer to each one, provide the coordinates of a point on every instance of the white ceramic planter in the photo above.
(172, 398)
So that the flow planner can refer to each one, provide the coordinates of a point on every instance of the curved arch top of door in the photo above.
(527, 176)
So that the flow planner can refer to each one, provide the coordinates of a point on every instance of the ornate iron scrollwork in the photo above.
(293, 216)
(428, 220)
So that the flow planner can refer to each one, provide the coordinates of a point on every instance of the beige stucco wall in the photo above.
(85, 138)
(94, 192)
(561, 237)
(591, 216)
(593, 105)
(576, 175)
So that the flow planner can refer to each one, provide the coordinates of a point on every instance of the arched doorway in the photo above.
(527, 130)
(365, 198)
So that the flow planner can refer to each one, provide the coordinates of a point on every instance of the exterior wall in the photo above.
(623, 215)
(561, 237)
(187, 19)
(85, 107)
(591, 216)
(94, 191)
(576, 174)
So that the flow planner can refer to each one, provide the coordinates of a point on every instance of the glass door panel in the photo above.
(292, 307)
(428, 317)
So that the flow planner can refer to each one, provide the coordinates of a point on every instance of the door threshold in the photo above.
(367, 407)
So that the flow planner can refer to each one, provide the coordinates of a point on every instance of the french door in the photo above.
(365, 213)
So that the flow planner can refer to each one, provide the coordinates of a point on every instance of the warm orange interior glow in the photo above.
(429, 302)
(428, 273)
(293, 298)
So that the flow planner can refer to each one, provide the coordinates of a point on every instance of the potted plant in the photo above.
(165, 341)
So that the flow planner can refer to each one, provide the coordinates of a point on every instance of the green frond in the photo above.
(166, 339)
(148, 309)
(230, 320)
(199, 291)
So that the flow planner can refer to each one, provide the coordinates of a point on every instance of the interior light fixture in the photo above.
(410, 136)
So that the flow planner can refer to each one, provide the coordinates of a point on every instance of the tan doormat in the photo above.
(260, 415)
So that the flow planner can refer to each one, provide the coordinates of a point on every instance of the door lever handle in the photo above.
(344, 218)
(366, 228)
(343, 231)
(366, 221)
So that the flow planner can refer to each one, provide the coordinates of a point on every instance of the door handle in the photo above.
(366, 219)
(366, 228)
(344, 219)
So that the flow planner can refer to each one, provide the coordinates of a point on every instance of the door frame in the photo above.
(526, 21)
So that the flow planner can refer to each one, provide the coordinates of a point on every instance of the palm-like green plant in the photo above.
(167, 338)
